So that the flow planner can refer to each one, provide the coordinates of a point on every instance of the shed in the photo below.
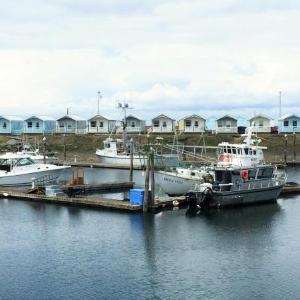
(40, 124)
(163, 124)
(226, 124)
(100, 124)
(289, 123)
(193, 123)
(71, 124)
(11, 125)
(260, 123)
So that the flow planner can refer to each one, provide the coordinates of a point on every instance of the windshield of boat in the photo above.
(25, 161)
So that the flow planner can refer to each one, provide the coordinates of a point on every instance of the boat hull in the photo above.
(173, 185)
(231, 198)
(26, 179)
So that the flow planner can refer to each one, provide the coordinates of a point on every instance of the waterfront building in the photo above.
(11, 125)
(71, 124)
(289, 123)
(226, 124)
(261, 123)
(193, 123)
(163, 124)
(40, 125)
(134, 125)
(100, 124)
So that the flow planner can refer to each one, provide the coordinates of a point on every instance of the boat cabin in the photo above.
(235, 179)
(8, 163)
(239, 155)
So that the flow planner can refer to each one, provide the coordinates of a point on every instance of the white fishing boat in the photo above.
(116, 152)
(36, 156)
(21, 170)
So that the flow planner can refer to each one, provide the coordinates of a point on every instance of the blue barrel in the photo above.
(136, 196)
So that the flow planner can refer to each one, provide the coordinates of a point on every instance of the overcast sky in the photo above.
(175, 57)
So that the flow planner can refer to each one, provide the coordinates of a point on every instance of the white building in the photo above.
(193, 123)
(100, 124)
(226, 124)
(71, 124)
(163, 124)
(261, 123)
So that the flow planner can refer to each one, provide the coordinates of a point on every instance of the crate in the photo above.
(136, 196)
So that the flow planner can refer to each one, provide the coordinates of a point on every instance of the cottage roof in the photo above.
(162, 116)
(72, 117)
(134, 117)
(12, 118)
(193, 116)
(99, 117)
(288, 117)
(260, 116)
(227, 116)
(43, 118)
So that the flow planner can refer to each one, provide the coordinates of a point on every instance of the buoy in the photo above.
(175, 203)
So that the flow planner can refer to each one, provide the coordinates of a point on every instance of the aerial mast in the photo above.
(99, 98)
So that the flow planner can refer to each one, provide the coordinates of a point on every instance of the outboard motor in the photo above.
(206, 199)
(192, 200)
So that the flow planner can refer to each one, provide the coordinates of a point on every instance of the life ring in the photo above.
(244, 174)
(225, 158)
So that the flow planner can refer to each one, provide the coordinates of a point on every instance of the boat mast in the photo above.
(124, 106)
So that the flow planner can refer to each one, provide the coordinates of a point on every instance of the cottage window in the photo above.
(196, 123)
(29, 124)
(261, 124)
(294, 123)
(101, 124)
(156, 123)
(132, 124)
(188, 123)
(69, 126)
(93, 124)
(37, 125)
(220, 124)
(4, 125)
(61, 125)
(164, 124)
(286, 123)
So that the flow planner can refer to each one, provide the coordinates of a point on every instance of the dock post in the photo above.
(294, 147)
(131, 160)
(146, 193)
(152, 181)
(285, 149)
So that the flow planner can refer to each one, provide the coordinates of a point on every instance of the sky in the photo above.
(177, 57)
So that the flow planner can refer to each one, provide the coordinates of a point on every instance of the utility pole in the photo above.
(99, 98)
(280, 112)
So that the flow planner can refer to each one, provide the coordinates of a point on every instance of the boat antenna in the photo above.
(99, 99)
(124, 106)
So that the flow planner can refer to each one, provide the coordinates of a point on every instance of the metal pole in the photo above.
(131, 161)
(280, 93)
(294, 145)
(146, 193)
(152, 182)
(99, 98)
(44, 150)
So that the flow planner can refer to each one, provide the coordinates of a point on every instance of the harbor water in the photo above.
(60, 252)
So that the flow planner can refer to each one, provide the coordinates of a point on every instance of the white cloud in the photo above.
(173, 57)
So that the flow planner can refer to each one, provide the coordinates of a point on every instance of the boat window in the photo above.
(265, 173)
(24, 162)
(229, 150)
(234, 150)
(254, 152)
(223, 176)
(246, 151)
(250, 151)
(251, 174)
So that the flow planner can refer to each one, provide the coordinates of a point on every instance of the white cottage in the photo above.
(71, 124)
(100, 124)
(261, 123)
(193, 123)
(133, 125)
(163, 124)
(226, 124)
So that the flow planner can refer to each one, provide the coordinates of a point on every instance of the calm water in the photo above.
(53, 252)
